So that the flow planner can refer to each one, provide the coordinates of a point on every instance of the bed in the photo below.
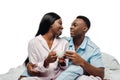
(112, 69)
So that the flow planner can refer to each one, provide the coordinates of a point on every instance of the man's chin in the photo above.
(72, 35)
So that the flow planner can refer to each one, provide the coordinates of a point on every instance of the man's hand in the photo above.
(31, 69)
(74, 58)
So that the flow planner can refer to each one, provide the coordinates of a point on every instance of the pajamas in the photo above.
(84, 77)
(38, 51)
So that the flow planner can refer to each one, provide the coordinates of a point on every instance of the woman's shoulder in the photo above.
(34, 40)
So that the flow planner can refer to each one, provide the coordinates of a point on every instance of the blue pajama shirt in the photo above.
(88, 51)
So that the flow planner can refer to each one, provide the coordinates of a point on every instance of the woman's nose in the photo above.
(61, 27)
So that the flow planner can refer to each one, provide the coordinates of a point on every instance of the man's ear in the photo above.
(85, 29)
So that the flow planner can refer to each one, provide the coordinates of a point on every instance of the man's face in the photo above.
(78, 28)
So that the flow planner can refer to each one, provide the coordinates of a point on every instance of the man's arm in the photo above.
(92, 70)
(77, 60)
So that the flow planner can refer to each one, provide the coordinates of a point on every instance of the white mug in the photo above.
(60, 53)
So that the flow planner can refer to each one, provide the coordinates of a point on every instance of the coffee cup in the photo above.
(60, 53)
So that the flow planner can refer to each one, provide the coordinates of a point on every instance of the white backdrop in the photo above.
(19, 21)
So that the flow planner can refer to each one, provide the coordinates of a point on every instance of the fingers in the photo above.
(69, 54)
(70, 57)
(30, 66)
(52, 53)
(60, 60)
(51, 57)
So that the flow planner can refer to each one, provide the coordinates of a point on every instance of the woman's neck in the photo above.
(48, 36)
(49, 39)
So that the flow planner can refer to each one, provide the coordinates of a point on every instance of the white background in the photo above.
(19, 21)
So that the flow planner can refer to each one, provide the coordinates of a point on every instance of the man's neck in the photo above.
(78, 41)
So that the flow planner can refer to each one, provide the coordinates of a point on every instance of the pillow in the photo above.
(110, 62)
(112, 67)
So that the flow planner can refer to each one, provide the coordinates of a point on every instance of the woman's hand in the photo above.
(52, 57)
(61, 61)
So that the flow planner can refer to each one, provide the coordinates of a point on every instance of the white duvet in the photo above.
(112, 70)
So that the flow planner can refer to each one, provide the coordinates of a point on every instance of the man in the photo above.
(85, 57)
(85, 60)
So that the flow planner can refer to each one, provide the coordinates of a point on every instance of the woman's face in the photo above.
(56, 27)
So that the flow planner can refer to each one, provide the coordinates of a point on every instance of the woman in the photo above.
(42, 49)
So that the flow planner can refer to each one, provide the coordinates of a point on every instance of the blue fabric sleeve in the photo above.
(71, 73)
(25, 73)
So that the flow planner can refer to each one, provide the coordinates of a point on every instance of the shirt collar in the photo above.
(83, 45)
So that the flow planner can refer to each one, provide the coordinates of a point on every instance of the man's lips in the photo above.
(71, 32)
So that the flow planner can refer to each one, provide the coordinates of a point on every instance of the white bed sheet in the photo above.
(112, 70)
